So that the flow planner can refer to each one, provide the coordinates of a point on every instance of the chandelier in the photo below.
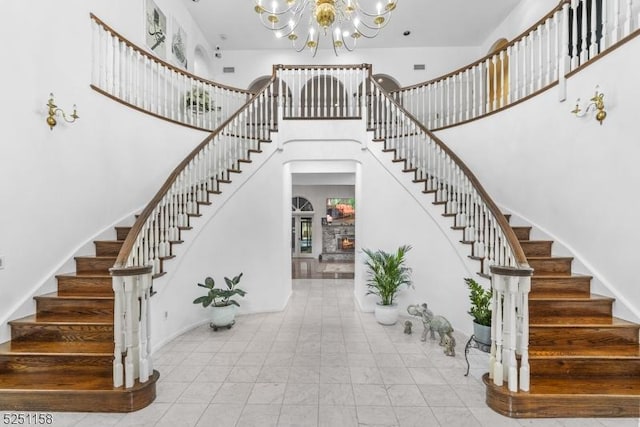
(305, 22)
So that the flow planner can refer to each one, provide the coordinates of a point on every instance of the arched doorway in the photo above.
(301, 227)
(201, 63)
(498, 81)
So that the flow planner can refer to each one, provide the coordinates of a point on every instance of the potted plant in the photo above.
(198, 100)
(387, 275)
(223, 308)
(480, 310)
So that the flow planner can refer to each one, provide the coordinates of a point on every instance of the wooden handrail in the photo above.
(127, 246)
(161, 62)
(509, 234)
(489, 55)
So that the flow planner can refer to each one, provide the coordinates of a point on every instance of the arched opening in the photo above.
(498, 81)
(201, 63)
(259, 83)
(324, 96)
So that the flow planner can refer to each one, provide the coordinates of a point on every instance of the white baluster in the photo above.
(628, 23)
(511, 365)
(145, 353)
(524, 287)
(118, 331)
(499, 285)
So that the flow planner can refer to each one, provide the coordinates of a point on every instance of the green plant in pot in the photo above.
(223, 308)
(198, 100)
(480, 310)
(388, 274)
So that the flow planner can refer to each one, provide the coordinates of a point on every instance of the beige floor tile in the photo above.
(298, 416)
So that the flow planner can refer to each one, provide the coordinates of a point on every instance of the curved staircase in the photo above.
(61, 358)
(584, 362)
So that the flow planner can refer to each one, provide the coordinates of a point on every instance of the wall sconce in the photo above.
(54, 110)
(595, 102)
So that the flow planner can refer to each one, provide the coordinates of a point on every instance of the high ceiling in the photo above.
(431, 22)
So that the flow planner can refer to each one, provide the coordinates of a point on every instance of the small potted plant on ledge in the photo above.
(198, 101)
(223, 308)
(387, 275)
(480, 310)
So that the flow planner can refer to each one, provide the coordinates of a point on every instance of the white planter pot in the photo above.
(386, 314)
(223, 316)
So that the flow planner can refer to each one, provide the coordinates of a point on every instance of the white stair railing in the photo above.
(160, 224)
(484, 227)
(321, 91)
(127, 73)
(571, 35)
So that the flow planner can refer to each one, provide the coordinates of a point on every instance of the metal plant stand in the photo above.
(472, 343)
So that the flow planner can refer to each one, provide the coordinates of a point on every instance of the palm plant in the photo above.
(387, 273)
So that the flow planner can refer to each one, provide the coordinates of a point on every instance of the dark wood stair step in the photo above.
(561, 286)
(536, 248)
(58, 347)
(522, 232)
(122, 232)
(85, 284)
(108, 247)
(28, 328)
(43, 391)
(587, 366)
(94, 264)
(69, 308)
(557, 309)
(617, 332)
(554, 266)
(564, 397)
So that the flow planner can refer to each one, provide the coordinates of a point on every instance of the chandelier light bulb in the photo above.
(343, 22)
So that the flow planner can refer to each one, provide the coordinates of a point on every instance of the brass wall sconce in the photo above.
(595, 102)
(54, 110)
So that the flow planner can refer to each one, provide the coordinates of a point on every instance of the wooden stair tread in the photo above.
(57, 347)
(568, 298)
(31, 320)
(53, 295)
(580, 323)
(87, 274)
(610, 351)
(594, 386)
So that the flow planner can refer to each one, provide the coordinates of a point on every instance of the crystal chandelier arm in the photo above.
(269, 18)
(384, 11)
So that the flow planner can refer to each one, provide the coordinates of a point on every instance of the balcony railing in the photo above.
(568, 37)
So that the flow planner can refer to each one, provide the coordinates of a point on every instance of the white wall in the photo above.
(573, 178)
(523, 16)
(60, 188)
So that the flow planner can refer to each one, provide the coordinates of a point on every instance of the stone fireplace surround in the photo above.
(332, 236)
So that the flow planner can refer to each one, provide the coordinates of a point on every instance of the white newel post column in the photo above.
(511, 285)
(132, 287)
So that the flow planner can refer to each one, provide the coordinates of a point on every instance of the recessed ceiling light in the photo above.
(406, 33)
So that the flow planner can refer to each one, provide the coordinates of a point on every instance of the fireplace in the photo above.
(346, 243)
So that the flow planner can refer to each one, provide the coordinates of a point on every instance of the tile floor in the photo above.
(318, 363)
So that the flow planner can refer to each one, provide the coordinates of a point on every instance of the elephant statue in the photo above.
(434, 324)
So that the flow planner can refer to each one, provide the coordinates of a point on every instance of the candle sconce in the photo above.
(596, 102)
(54, 110)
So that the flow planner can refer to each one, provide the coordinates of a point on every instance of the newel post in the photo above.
(510, 326)
(131, 329)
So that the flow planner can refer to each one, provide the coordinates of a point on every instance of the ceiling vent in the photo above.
(228, 69)
(419, 67)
